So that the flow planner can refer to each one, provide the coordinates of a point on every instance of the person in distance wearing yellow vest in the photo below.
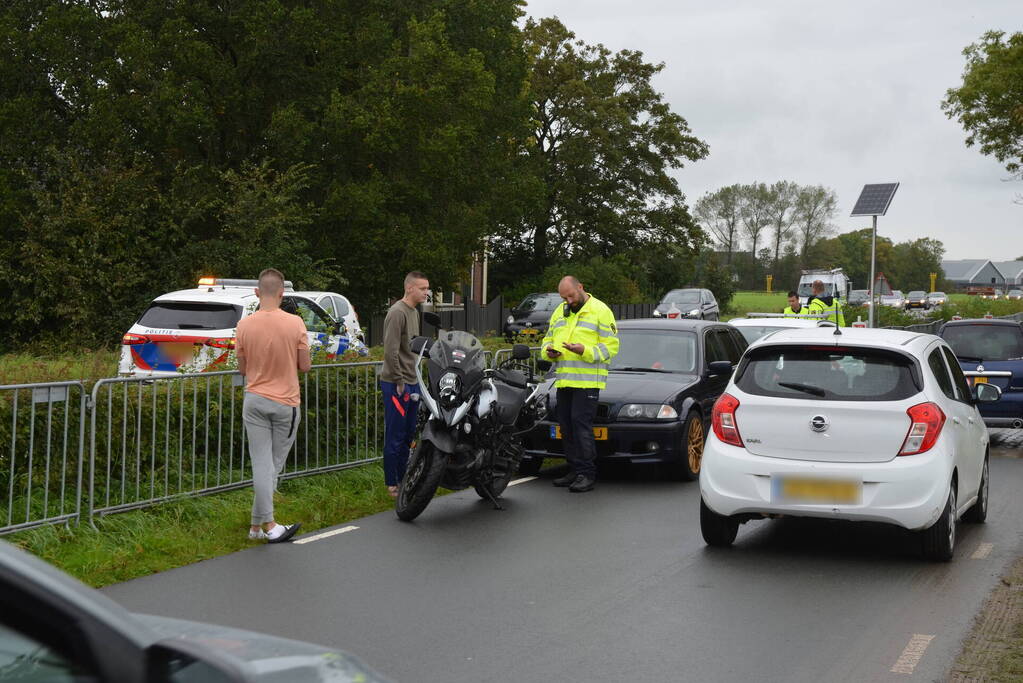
(794, 309)
(581, 340)
(826, 305)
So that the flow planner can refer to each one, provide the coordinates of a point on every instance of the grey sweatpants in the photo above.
(271, 427)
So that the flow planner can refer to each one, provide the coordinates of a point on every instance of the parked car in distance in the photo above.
(990, 351)
(193, 330)
(55, 628)
(917, 299)
(755, 328)
(660, 390)
(859, 297)
(690, 303)
(530, 318)
(937, 298)
(874, 425)
(894, 300)
(1016, 294)
(995, 295)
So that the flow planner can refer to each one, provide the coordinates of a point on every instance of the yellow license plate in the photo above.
(530, 330)
(797, 490)
(599, 433)
(980, 380)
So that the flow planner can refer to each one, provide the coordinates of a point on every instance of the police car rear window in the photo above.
(827, 373)
(191, 316)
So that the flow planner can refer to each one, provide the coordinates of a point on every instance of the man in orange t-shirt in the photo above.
(272, 348)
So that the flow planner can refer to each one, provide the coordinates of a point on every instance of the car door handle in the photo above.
(955, 420)
(970, 420)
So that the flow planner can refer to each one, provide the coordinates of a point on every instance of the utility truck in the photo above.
(836, 284)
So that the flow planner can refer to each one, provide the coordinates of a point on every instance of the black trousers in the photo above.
(576, 410)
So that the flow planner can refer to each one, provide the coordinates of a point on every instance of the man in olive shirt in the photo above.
(398, 378)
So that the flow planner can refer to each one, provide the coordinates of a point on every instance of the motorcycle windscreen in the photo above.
(459, 350)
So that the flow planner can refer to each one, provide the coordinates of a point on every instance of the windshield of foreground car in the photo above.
(539, 302)
(665, 350)
(171, 315)
(682, 296)
(988, 342)
(850, 374)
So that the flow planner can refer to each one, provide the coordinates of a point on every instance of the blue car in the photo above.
(991, 351)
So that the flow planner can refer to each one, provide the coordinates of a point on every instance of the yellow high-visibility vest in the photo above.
(833, 312)
(593, 326)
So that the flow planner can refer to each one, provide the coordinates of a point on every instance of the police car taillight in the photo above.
(132, 339)
(220, 343)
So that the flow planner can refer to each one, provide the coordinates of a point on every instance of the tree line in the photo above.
(144, 144)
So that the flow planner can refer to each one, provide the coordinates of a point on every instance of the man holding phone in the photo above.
(581, 340)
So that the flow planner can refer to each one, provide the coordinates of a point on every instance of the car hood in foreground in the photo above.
(269, 658)
(627, 386)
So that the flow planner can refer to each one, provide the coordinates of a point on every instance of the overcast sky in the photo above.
(833, 93)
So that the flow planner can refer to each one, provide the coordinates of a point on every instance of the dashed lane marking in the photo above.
(325, 534)
(521, 481)
(911, 656)
(983, 550)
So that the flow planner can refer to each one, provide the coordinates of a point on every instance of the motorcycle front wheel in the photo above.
(422, 476)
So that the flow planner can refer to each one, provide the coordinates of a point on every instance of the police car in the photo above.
(193, 330)
(340, 308)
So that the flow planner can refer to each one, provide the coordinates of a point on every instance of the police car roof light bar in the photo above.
(234, 282)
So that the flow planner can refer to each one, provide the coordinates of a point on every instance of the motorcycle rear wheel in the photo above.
(418, 486)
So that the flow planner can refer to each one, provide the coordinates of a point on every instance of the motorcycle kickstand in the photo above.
(497, 506)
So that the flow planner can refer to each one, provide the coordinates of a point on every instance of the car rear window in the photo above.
(828, 374)
(985, 342)
(191, 316)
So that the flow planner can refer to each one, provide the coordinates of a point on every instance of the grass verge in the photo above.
(133, 544)
(994, 649)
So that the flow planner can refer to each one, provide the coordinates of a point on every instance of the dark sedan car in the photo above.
(529, 319)
(991, 351)
(54, 628)
(661, 387)
(690, 303)
(917, 299)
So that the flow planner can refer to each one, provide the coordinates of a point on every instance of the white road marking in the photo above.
(911, 656)
(325, 534)
(982, 551)
(521, 481)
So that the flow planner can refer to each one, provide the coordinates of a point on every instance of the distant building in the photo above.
(1013, 273)
(973, 272)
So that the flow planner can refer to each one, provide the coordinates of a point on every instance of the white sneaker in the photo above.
(282, 532)
(257, 535)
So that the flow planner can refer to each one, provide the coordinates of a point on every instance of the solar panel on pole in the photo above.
(875, 199)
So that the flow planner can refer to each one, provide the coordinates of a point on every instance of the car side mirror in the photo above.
(421, 345)
(719, 367)
(520, 352)
(544, 365)
(432, 319)
(986, 393)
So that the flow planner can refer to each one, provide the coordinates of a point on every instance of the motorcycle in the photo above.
(471, 429)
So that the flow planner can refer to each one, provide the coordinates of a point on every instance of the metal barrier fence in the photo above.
(933, 326)
(42, 439)
(153, 440)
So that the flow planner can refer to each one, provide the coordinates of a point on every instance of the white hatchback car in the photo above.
(855, 424)
(192, 330)
(753, 328)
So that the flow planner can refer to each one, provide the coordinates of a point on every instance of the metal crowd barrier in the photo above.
(42, 439)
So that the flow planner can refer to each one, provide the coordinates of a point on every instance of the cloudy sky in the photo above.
(834, 93)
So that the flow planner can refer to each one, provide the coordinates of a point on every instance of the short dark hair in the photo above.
(271, 281)
(414, 275)
(791, 294)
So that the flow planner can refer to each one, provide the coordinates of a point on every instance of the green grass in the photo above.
(141, 542)
(743, 303)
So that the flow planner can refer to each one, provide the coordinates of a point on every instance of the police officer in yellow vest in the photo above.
(794, 309)
(826, 305)
(582, 338)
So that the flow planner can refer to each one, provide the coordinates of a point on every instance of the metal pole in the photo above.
(873, 246)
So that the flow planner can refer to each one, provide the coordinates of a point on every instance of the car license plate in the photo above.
(807, 490)
(980, 380)
(599, 433)
(178, 352)
(530, 330)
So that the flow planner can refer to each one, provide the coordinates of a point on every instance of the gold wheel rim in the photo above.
(694, 444)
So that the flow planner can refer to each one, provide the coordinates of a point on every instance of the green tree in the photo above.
(719, 214)
(603, 147)
(815, 207)
(608, 279)
(988, 103)
(914, 261)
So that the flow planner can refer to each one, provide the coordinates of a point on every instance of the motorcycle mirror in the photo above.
(520, 352)
(544, 365)
(419, 343)
(432, 318)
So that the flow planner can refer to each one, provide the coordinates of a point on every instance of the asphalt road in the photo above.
(612, 585)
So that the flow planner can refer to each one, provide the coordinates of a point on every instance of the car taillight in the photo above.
(220, 343)
(723, 420)
(926, 422)
(133, 339)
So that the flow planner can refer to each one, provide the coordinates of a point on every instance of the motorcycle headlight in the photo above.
(511, 319)
(449, 386)
(647, 411)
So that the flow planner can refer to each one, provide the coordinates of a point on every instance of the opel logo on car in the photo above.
(819, 423)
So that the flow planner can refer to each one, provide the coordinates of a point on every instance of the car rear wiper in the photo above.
(971, 359)
(638, 369)
(805, 388)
